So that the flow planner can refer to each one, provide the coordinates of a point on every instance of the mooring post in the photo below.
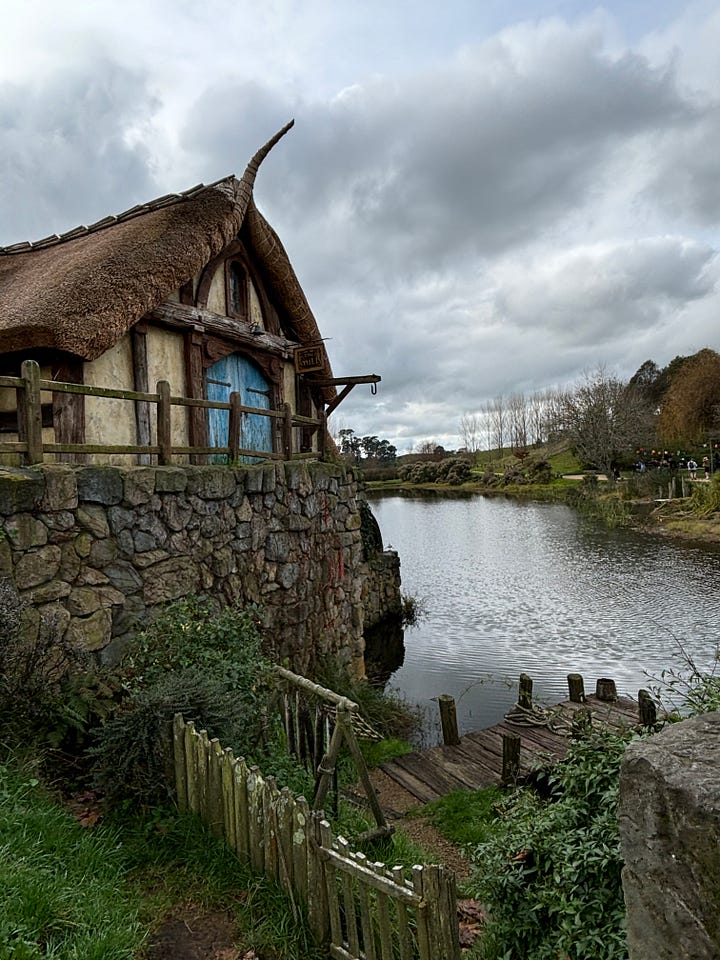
(511, 758)
(448, 719)
(646, 709)
(525, 692)
(606, 690)
(576, 688)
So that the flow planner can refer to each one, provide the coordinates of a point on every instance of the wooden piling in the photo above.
(511, 758)
(525, 692)
(576, 688)
(448, 719)
(646, 709)
(606, 690)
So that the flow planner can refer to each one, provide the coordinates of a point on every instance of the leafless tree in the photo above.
(470, 431)
(518, 415)
(499, 419)
(600, 419)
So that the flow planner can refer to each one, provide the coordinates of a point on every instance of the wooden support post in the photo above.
(327, 764)
(646, 709)
(448, 719)
(322, 435)
(576, 688)
(234, 427)
(30, 412)
(164, 430)
(287, 431)
(606, 690)
(141, 384)
(525, 692)
(511, 758)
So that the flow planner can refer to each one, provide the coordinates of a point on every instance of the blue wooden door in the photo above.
(237, 373)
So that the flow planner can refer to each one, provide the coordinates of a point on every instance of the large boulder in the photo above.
(669, 820)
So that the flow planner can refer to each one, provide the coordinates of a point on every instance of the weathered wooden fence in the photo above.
(360, 909)
(31, 446)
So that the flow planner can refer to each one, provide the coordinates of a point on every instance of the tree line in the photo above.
(604, 417)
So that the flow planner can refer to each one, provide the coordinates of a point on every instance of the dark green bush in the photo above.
(550, 875)
(195, 659)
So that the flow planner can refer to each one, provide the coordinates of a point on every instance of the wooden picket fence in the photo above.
(361, 910)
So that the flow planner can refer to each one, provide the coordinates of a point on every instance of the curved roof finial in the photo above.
(248, 178)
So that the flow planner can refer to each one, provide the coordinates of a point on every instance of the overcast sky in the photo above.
(478, 196)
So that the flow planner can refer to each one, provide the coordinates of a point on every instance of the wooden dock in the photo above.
(475, 760)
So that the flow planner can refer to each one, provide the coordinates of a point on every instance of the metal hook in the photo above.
(373, 389)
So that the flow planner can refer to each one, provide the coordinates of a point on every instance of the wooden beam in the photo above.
(140, 383)
(68, 410)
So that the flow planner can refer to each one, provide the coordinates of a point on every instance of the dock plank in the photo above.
(476, 762)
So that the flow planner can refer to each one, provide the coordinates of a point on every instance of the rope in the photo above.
(535, 716)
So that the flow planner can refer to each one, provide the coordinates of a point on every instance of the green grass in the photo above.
(65, 890)
(465, 817)
(73, 893)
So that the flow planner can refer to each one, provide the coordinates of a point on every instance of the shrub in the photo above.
(50, 691)
(194, 659)
(551, 873)
(132, 760)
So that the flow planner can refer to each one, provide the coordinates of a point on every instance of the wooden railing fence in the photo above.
(317, 723)
(29, 386)
(361, 910)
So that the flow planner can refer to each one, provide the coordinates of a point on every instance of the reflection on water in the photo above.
(515, 586)
(384, 649)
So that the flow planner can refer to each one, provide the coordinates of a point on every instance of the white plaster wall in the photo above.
(166, 361)
(108, 420)
(216, 296)
(256, 314)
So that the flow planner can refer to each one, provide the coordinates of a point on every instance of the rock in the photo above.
(211, 482)
(94, 520)
(37, 567)
(90, 633)
(100, 485)
(61, 492)
(24, 531)
(139, 485)
(170, 580)
(83, 601)
(20, 489)
(669, 819)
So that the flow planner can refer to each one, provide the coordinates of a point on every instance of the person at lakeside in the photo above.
(692, 468)
(706, 467)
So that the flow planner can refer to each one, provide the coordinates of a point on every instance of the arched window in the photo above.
(237, 290)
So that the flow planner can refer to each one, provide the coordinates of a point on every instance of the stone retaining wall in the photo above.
(95, 549)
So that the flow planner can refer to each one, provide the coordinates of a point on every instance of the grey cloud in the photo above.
(590, 295)
(66, 143)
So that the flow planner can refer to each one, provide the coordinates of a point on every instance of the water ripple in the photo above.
(512, 586)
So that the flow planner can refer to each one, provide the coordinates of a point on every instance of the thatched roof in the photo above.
(81, 291)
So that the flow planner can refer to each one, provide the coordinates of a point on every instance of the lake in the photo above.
(511, 586)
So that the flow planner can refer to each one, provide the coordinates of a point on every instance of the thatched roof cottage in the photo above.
(194, 288)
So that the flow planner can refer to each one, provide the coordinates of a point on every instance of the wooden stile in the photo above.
(423, 937)
(242, 841)
(300, 846)
(228, 797)
(270, 795)
(191, 768)
(181, 776)
(216, 804)
(405, 938)
(286, 863)
(256, 839)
